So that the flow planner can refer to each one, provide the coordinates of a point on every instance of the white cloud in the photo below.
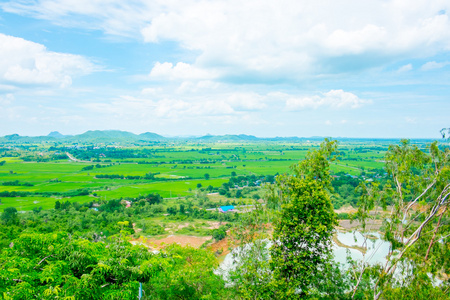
(405, 68)
(264, 38)
(431, 65)
(163, 106)
(115, 17)
(31, 63)
(333, 99)
(291, 38)
(181, 71)
(151, 91)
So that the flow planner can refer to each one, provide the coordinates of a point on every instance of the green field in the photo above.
(177, 169)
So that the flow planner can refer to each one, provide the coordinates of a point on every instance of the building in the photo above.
(225, 209)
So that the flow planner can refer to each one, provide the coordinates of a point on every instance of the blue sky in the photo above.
(262, 67)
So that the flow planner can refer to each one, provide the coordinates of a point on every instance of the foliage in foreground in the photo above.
(56, 266)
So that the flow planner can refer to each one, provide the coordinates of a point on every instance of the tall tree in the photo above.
(418, 191)
(303, 230)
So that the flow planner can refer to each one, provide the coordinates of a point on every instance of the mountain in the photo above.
(150, 136)
(56, 135)
(105, 134)
(17, 139)
(125, 137)
(12, 137)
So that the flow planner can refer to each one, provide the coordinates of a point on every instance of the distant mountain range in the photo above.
(91, 136)
(118, 136)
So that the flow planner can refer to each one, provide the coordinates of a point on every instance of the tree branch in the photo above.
(42, 260)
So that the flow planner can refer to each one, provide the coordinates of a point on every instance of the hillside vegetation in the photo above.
(82, 220)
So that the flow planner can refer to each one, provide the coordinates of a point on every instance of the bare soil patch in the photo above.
(215, 225)
(221, 248)
(346, 209)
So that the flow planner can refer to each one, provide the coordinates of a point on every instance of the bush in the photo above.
(220, 233)
(343, 216)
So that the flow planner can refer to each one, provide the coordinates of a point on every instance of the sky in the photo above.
(372, 68)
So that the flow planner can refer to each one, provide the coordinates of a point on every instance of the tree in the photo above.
(206, 176)
(219, 233)
(300, 209)
(250, 276)
(153, 198)
(172, 210)
(9, 215)
(305, 224)
(182, 209)
(418, 190)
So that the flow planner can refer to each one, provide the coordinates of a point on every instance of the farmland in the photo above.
(43, 173)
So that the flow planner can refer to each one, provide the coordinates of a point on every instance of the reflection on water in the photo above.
(377, 249)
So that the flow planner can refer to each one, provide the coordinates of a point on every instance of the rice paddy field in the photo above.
(177, 170)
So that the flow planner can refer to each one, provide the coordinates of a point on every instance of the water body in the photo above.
(376, 249)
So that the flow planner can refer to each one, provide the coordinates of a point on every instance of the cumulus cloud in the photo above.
(333, 99)
(290, 38)
(431, 65)
(164, 106)
(264, 39)
(180, 71)
(31, 63)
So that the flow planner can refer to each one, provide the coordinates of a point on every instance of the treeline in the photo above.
(73, 193)
(98, 166)
(16, 183)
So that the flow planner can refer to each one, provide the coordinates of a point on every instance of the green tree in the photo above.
(219, 233)
(305, 224)
(206, 176)
(418, 189)
(57, 204)
(9, 215)
(299, 207)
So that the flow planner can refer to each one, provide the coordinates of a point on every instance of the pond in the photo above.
(376, 248)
